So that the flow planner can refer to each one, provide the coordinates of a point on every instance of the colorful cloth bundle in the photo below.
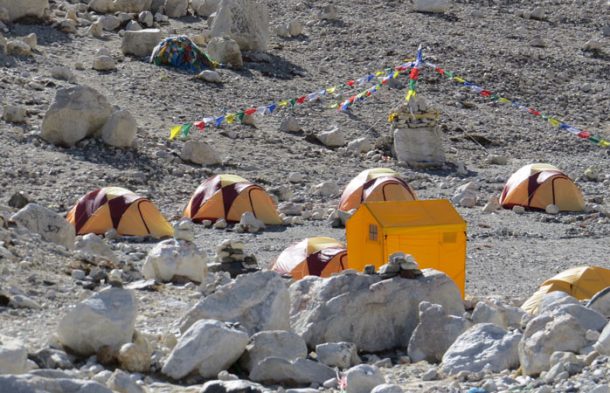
(180, 52)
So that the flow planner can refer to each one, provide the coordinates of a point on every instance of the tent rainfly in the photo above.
(314, 256)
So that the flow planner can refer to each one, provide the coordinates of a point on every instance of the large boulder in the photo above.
(232, 386)
(120, 130)
(602, 346)
(275, 370)
(105, 319)
(225, 50)
(372, 313)
(76, 113)
(276, 343)
(600, 302)
(258, 301)
(49, 225)
(13, 356)
(497, 313)
(483, 346)
(28, 383)
(101, 6)
(171, 258)
(246, 21)
(363, 378)
(342, 355)
(135, 6)
(205, 8)
(93, 248)
(435, 333)
(207, 347)
(546, 334)
(18, 9)
(141, 43)
(199, 152)
(176, 8)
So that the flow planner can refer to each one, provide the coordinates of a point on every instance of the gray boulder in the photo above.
(296, 372)
(235, 386)
(374, 314)
(258, 301)
(276, 343)
(600, 302)
(435, 333)
(498, 314)
(18, 9)
(120, 129)
(134, 6)
(483, 346)
(13, 356)
(205, 8)
(602, 346)
(76, 113)
(28, 383)
(246, 21)
(363, 378)
(175, 258)
(225, 50)
(207, 347)
(176, 8)
(199, 152)
(587, 318)
(342, 355)
(141, 43)
(49, 225)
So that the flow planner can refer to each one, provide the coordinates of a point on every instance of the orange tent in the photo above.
(314, 256)
(114, 207)
(538, 185)
(377, 184)
(228, 197)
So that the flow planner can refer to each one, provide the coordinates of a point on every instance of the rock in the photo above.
(121, 382)
(102, 6)
(326, 189)
(184, 230)
(332, 138)
(587, 318)
(295, 28)
(146, 19)
(249, 223)
(235, 386)
(537, 13)
(109, 22)
(32, 40)
(96, 29)
(360, 145)
(29, 383)
(435, 333)
(225, 50)
(207, 347)
(136, 357)
(210, 76)
(435, 6)
(387, 388)
(518, 209)
(104, 63)
(199, 152)
(22, 8)
(13, 356)
(205, 8)
(552, 209)
(569, 362)
(134, 6)
(221, 223)
(282, 30)
(484, 345)
(18, 200)
(18, 48)
(141, 43)
(67, 26)
(63, 73)
(290, 124)
(258, 301)
(342, 354)
(275, 370)
(276, 343)
(22, 301)
(498, 314)
(600, 302)
(492, 205)
(329, 12)
(494, 159)
(120, 129)
(107, 318)
(363, 378)
(430, 375)
(602, 345)
(538, 42)
(544, 335)
(176, 8)
(93, 248)
(132, 25)
(372, 313)
(49, 225)
(466, 195)
(52, 358)
(171, 258)
(76, 113)
(245, 21)
(14, 114)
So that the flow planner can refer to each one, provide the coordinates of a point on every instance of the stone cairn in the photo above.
(400, 264)
(230, 258)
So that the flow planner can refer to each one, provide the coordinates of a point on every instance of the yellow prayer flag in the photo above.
(503, 100)
(458, 79)
(230, 118)
(410, 95)
(392, 117)
(379, 73)
(604, 143)
(554, 122)
(331, 90)
(395, 75)
(283, 103)
(174, 132)
(334, 106)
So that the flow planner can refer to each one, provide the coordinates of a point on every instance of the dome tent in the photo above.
(314, 256)
(228, 197)
(538, 185)
(115, 207)
(377, 184)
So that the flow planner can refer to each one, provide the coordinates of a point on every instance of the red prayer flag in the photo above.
(301, 100)
(414, 74)
(250, 111)
(350, 83)
(440, 70)
(584, 134)
(200, 125)
(485, 93)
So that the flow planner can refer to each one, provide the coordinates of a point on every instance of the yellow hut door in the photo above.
(425, 247)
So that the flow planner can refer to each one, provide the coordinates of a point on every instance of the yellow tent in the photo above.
(377, 184)
(538, 185)
(228, 197)
(314, 256)
(115, 207)
(581, 282)
(430, 230)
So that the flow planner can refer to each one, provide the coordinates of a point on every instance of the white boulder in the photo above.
(134, 6)
(208, 347)
(249, 223)
(109, 22)
(49, 225)
(171, 258)
(146, 18)
(225, 50)
(205, 8)
(176, 8)
(372, 313)
(141, 43)
(93, 247)
(484, 345)
(258, 301)
(290, 124)
(332, 138)
(120, 130)
(18, 9)
(13, 356)
(102, 6)
(62, 383)
(210, 76)
(76, 113)
(600, 302)
(199, 152)
(104, 63)
(435, 333)
(14, 113)
(275, 370)
(342, 354)
(18, 48)
(360, 145)
(63, 73)
(387, 388)
(105, 319)
(326, 189)
(122, 382)
(602, 346)
(435, 6)
(246, 21)
(498, 314)
(276, 343)
(466, 195)
(363, 378)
